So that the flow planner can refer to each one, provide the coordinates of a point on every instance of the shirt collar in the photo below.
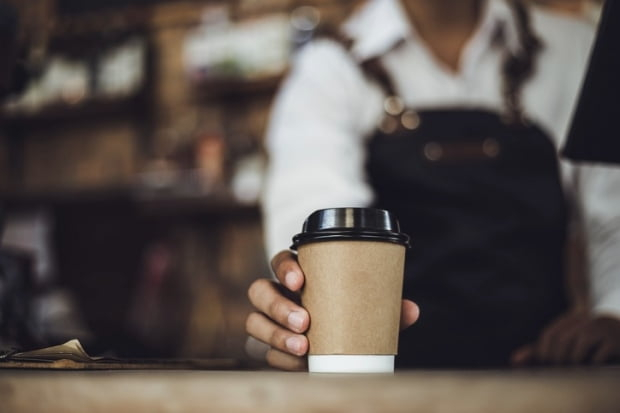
(381, 24)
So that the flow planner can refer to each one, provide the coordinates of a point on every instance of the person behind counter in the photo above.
(472, 99)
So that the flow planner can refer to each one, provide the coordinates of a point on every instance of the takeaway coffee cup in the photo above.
(353, 260)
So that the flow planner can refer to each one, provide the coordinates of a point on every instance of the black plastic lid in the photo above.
(351, 224)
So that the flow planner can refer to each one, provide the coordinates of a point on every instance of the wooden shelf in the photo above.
(234, 87)
(16, 199)
(85, 110)
(215, 204)
(151, 203)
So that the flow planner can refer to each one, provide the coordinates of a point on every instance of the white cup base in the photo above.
(338, 363)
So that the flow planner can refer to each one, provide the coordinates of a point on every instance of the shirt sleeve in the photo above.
(599, 187)
(315, 142)
(595, 186)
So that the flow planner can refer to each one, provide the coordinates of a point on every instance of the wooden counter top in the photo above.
(535, 391)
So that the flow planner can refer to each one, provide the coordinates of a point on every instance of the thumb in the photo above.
(409, 314)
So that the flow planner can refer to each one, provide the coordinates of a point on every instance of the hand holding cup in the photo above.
(281, 322)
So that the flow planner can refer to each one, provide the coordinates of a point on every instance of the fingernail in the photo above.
(291, 278)
(296, 320)
(294, 345)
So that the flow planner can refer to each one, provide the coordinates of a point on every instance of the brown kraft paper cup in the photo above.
(353, 260)
(353, 294)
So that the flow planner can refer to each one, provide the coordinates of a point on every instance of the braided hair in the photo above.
(519, 66)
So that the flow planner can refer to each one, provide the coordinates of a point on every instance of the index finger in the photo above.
(287, 270)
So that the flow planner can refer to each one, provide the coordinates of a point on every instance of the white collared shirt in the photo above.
(326, 109)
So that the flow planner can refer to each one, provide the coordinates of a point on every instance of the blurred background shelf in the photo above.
(153, 265)
(149, 203)
(89, 109)
(235, 87)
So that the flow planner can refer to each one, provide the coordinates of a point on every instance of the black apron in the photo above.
(483, 203)
(481, 197)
